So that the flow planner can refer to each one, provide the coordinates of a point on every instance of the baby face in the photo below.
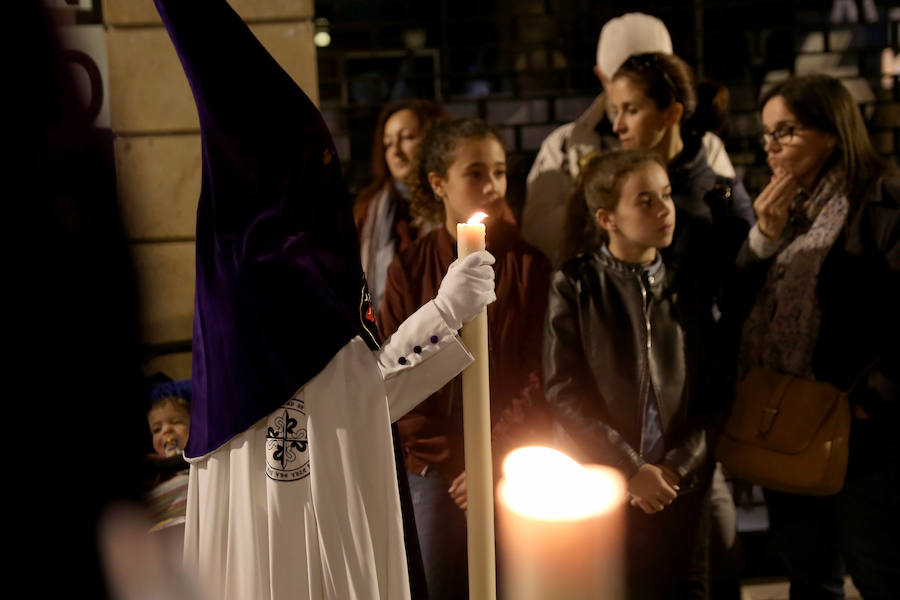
(169, 424)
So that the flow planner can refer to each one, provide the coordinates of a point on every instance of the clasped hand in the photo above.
(653, 488)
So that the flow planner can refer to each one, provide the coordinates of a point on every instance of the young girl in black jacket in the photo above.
(621, 363)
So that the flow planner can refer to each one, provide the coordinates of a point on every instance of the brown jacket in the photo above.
(432, 432)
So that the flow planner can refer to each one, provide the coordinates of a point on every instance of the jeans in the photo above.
(804, 530)
(857, 528)
(441, 527)
(868, 530)
(667, 553)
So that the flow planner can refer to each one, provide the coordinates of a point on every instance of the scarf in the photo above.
(782, 329)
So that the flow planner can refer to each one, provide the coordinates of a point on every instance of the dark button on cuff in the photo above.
(434, 339)
(418, 349)
(402, 360)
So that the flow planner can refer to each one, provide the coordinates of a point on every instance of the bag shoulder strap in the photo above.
(772, 406)
(861, 376)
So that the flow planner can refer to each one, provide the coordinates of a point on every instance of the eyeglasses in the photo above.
(782, 135)
(650, 62)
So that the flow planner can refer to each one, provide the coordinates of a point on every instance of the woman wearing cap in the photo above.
(817, 298)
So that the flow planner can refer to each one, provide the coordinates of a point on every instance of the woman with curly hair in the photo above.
(460, 170)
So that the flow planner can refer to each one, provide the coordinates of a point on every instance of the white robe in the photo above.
(305, 503)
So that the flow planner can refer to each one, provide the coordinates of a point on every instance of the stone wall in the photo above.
(157, 151)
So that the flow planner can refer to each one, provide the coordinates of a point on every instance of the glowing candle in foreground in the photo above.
(476, 393)
(561, 528)
(470, 235)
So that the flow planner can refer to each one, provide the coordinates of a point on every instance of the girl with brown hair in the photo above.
(460, 170)
(629, 371)
(654, 105)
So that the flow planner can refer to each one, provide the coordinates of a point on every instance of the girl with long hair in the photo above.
(625, 375)
(460, 170)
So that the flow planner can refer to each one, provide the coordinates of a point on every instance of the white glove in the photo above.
(466, 289)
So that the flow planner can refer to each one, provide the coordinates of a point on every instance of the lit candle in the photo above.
(561, 528)
(470, 235)
(476, 395)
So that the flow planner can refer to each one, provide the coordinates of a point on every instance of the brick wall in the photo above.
(527, 66)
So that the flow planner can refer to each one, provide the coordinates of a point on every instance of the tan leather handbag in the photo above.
(787, 434)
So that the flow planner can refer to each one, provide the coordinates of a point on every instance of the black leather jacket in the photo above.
(613, 332)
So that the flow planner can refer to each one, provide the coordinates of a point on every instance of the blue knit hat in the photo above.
(171, 389)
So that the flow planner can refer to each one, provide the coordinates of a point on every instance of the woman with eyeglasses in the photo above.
(819, 281)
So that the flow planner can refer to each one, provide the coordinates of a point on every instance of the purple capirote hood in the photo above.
(279, 285)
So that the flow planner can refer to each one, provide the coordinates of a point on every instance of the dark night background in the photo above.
(527, 66)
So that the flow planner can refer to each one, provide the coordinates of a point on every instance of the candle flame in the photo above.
(477, 218)
(545, 484)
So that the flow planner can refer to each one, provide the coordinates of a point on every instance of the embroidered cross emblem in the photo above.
(287, 443)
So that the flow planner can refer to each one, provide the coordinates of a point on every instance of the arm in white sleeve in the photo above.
(422, 356)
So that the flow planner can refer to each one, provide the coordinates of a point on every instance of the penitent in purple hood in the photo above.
(279, 284)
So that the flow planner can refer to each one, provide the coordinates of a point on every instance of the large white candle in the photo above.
(561, 528)
(477, 435)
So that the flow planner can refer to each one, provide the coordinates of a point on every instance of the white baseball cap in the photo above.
(630, 34)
